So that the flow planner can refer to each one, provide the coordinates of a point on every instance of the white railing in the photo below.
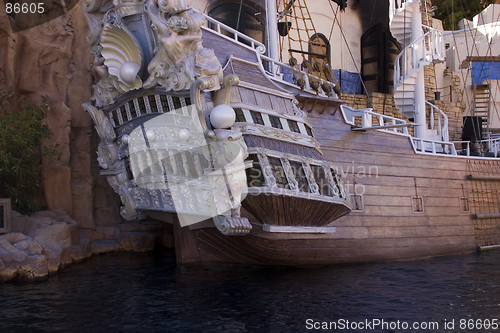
(417, 54)
(374, 120)
(273, 68)
(433, 146)
(442, 122)
(480, 147)
(234, 35)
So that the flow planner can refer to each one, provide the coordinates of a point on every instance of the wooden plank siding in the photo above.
(386, 167)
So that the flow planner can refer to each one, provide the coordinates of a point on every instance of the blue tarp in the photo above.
(485, 70)
(350, 83)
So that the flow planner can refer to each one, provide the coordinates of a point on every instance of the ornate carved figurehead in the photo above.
(166, 49)
(155, 47)
(180, 58)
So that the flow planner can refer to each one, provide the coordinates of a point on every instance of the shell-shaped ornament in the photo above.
(122, 55)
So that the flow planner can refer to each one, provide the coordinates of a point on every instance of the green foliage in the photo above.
(21, 135)
(452, 11)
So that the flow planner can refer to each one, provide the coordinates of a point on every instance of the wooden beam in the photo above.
(298, 230)
(488, 247)
(483, 58)
(486, 216)
(484, 177)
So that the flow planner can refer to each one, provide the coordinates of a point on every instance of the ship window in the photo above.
(115, 117)
(275, 122)
(164, 103)
(123, 112)
(356, 202)
(240, 117)
(464, 204)
(300, 176)
(293, 126)
(257, 118)
(152, 103)
(309, 130)
(255, 177)
(142, 106)
(177, 103)
(188, 101)
(321, 180)
(132, 109)
(417, 203)
(278, 172)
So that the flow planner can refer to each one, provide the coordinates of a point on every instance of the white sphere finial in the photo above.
(222, 116)
(184, 134)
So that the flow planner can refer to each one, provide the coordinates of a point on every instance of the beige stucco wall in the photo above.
(483, 41)
(344, 55)
(323, 17)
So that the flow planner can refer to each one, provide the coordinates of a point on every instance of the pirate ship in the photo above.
(251, 160)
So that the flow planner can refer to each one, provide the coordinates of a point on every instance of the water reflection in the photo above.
(146, 293)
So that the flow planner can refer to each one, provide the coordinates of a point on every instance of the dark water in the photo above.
(147, 293)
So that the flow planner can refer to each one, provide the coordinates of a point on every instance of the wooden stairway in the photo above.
(482, 99)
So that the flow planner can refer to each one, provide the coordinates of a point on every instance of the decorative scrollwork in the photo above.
(310, 176)
(280, 133)
(102, 123)
(232, 226)
(331, 181)
(266, 167)
(292, 182)
(128, 211)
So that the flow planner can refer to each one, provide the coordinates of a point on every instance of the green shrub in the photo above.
(21, 135)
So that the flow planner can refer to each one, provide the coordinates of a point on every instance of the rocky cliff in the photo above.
(54, 60)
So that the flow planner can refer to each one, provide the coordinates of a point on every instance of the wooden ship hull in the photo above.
(388, 226)
(325, 184)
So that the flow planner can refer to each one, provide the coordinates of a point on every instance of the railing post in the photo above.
(440, 128)
(432, 117)
(453, 149)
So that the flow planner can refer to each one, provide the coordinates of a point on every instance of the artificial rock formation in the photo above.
(47, 241)
(53, 60)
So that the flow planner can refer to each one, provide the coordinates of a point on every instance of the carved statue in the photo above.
(227, 152)
(107, 89)
(180, 58)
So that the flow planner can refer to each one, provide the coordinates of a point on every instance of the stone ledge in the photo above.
(45, 242)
